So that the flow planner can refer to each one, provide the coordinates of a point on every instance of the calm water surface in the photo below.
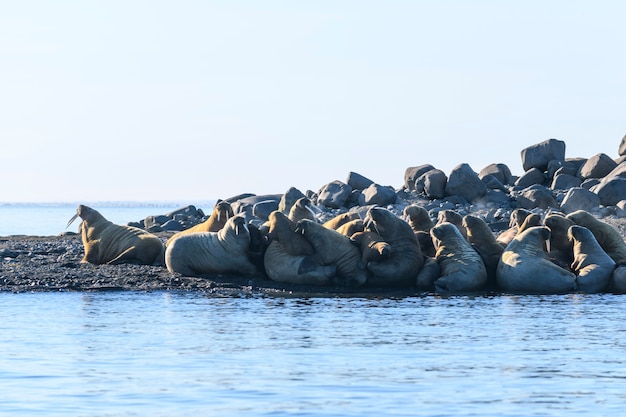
(175, 354)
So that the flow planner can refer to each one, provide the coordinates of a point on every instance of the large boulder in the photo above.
(413, 173)
(335, 194)
(288, 199)
(358, 181)
(579, 198)
(464, 182)
(500, 171)
(531, 177)
(622, 147)
(377, 195)
(432, 183)
(611, 190)
(539, 155)
(536, 196)
(565, 181)
(597, 166)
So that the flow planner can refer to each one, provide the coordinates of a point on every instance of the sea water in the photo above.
(181, 354)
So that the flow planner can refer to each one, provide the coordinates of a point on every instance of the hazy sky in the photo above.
(197, 100)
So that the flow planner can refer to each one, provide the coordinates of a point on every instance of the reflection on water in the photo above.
(180, 354)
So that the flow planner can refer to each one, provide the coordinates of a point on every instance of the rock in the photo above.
(334, 194)
(611, 190)
(536, 196)
(622, 147)
(496, 198)
(597, 166)
(262, 209)
(173, 226)
(500, 171)
(539, 155)
(578, 198)
(620, 209)
(618, 171)
(432, 183)
(464, 182)
(189, 211)
(246, 204)
(590, 183)
(413, 173)
(288, 199)
(492, 182)
(358, 181)
(151, 221)
(531, 177)
(565, 181)
(377, 195)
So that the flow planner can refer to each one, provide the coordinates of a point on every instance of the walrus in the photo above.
(561, 249)
(453, 217)
(351, 227)
(525, 266)
(482, 239)
(107, 243)
(406, 259)
(301, 209)
(515, 222)
(418, 218)
(217, 219)
(282, 266)
(373, 247)
(282, 229)
(462, 268)
(333, 248)
(605, 234)
(221, 252)
(340, 219)
(592, 265)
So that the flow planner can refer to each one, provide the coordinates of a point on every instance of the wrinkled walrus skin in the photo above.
(525, 266)
(222, 252)
(108, 243)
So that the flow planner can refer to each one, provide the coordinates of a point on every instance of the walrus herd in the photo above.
(490, 232)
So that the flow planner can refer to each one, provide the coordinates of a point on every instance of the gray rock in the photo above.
(578, 198)
(620, 209)
(597, 166)
(618, 171)
(611, 190)
(494, 198)
(432, 183)
(587, 184)
(288, 199)
(622, 147)
(262, 209)
(334, 194)
(151, 221)
(358, 181)
(500, 171)
(536, 196)
(377, 194)
(493, 183)
(464, 182)
(539, 155)
(413, 173)
(533, 176)
(246, 204)
(565, 181)
(189, 211)
(173, 226)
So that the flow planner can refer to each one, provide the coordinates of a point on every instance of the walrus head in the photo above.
(85, 213)
(418, 218)
(578, 233)
(223, 208)
(380, 220)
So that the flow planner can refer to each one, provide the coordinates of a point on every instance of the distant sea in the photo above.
(50, 219)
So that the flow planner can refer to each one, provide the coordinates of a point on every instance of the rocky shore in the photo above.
(551, 182)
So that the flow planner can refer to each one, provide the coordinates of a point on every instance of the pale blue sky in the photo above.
(196, 100)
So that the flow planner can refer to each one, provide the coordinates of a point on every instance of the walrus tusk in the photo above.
(74, 217)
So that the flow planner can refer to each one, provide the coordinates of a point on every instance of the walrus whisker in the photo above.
(74, 217)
